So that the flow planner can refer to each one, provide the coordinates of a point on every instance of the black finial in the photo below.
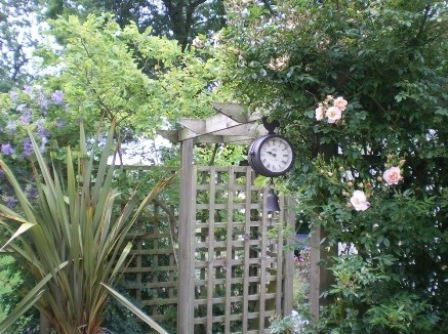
(270, 126)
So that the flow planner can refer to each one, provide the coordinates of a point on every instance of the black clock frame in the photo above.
(255, 160)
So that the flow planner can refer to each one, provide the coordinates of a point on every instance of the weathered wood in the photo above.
(320, 277)
(236, 112)
(314, 274)
(231, 110)
(171, 135)
(211, 249)
(185, 134)
(185, 311)
(195, 125)
(230, 253)
(263, 245)
(226, 235)
(232, 125)
(245, 315)
(288, 256)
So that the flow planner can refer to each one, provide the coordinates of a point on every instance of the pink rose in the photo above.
(319, 112)
(359, 201)
(340, 103)
(333, 114)
(392, 175)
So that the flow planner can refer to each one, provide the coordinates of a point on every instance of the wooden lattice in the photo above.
(151, 277)
(239, 254)
(242, 269)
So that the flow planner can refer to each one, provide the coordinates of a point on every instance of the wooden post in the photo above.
(185, 306)
(288, 255)
(320, 277)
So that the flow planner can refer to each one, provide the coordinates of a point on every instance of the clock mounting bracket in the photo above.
(270, 126)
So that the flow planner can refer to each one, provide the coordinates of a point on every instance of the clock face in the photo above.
(276, 154)
(271, 155)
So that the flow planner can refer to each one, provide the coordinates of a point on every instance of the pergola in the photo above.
(231, 125)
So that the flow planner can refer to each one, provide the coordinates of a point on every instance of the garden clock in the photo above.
(271, 155)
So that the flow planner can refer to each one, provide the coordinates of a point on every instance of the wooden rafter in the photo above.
(232, 124)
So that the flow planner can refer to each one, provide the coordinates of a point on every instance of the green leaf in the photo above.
(22, 229)
(131, 307)
(261, 181)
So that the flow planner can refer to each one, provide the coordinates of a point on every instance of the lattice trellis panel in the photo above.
(241, 267)
(152, 275)
(239, 254)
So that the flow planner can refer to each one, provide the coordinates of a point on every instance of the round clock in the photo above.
(271, 155)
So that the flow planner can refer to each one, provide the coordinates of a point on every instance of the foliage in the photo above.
(118, 319)
(71, 242)
(302, 281)
(16, 36)
(180, 20)
(281, 326)
(11, 288)
(101, 75)
(388, 60)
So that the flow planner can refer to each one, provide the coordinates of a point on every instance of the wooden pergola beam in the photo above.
(232, 125)
(236, 112)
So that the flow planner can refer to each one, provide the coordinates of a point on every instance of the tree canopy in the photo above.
(179, 20)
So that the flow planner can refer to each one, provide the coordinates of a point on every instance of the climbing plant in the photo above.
(360, 87)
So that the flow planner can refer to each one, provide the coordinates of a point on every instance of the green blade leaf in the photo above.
(134, 309)
(22, 229)
(29, 300)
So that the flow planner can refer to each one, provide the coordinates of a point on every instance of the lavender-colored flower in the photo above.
(57, 97)
(10, 201)
(21, 107)
(40, 128)
(31, 192)
(25, 119)
(60, 123)
(43, 145)
(43, 104)
(7, 149)
(28, 91)
(11, 127)
(13, 95)
(27, 148)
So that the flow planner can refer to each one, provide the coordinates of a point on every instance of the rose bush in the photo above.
(387, 148)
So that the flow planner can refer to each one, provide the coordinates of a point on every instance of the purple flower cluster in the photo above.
(10, 201)
(29, 91)
(60, 123)
(32, 192)
(31, 102)
(11, 127)
(7, 149)
(13, 95)
(27, 148)
(43, 103)
(40, 128)
(21, 107)
(57, 97)
(25, 118)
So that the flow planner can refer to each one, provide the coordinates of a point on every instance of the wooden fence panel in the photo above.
(239, 256)
(242, 270)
